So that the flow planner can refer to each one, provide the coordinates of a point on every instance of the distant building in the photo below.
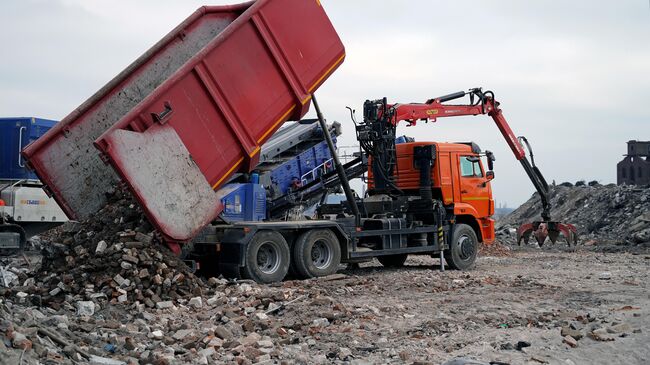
(634, 169)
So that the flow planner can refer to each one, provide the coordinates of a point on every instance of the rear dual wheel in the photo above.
(267, 258)
(316, 253)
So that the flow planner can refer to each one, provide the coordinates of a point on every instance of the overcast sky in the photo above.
(572, 76)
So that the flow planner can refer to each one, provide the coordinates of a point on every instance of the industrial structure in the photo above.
(634, 169)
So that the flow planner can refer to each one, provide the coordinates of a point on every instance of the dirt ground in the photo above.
(417, 314)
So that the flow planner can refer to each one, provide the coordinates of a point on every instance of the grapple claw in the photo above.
(526, 236)
(541, 233)
(569, 231)
(550, 229)
(523, 233)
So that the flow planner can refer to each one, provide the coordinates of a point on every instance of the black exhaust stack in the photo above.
(423, 157)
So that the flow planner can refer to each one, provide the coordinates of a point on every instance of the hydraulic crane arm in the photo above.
(485, 104)
(433, 109)
(381, 119)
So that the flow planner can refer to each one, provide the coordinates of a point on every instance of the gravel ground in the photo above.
(527, 295)
(510, 309)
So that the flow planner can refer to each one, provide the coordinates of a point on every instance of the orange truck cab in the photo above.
(459, 180)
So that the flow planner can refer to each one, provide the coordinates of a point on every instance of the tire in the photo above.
(267, 258)
(392, 260)
(13, 228)
(316, 253)
(463, 248)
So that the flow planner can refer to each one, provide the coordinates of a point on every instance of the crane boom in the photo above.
(434, 108)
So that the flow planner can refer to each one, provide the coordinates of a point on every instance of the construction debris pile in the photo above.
(603, 214)
(111, 257)
(227, 321)
(106, 292)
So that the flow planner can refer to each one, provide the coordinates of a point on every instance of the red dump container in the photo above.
(191, 111)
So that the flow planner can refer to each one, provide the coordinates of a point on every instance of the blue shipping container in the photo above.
(15, 134)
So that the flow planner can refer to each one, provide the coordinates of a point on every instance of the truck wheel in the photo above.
(316, 253)
(463, 248)
(13, 240)
(392, 260)
(267, 258)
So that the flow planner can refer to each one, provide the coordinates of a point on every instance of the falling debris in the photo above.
(112, 256)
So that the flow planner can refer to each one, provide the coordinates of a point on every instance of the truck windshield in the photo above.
(469, 168)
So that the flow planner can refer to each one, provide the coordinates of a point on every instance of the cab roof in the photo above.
(463, 147)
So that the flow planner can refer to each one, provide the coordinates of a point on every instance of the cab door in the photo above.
(475, 188)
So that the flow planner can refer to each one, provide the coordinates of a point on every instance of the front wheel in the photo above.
(267, 258)
(461, 255)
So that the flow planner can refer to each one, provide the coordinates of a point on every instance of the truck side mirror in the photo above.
(489, 175)
(490, 160)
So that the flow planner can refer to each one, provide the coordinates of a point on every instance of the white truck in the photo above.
(25, 209)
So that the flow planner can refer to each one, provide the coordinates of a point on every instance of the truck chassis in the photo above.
(264, 251)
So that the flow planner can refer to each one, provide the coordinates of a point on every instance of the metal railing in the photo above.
(314, 173)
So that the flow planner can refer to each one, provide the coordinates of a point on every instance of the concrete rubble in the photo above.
(133, 302)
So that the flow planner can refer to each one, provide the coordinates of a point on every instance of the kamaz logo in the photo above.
(32, 202)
